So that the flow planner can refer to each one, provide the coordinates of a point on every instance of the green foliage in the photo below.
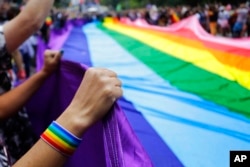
(142, 3)
(130, 4)
(61, 3)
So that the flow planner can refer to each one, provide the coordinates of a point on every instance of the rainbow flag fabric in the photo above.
(186, 93)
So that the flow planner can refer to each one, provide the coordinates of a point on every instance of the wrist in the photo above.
(44, 73)
(60, 139)
(73, 122)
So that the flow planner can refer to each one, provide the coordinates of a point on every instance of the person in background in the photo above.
(28, 52)
(19, 72)
(223, 24)
(212, 18)
(174, 18)
(8, 12)
(239, 28)
(45, 29)
(203, 19)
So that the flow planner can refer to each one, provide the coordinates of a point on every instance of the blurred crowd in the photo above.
(217, 19)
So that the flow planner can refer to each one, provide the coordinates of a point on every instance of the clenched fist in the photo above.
(96, 94)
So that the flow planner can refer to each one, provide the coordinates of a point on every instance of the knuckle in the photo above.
(107, 91)
(91, 71)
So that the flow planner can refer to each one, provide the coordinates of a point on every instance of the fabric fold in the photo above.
(110, 142)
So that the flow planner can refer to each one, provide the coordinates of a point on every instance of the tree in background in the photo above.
(142, 3)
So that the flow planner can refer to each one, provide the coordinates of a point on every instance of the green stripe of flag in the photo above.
(187, 77)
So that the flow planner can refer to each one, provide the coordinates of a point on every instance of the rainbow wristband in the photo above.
(60, 139)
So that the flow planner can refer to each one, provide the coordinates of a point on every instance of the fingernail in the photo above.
(61, 52)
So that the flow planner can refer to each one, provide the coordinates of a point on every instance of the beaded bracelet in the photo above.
(60, 139)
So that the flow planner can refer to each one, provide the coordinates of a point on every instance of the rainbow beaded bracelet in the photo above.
(60, 139)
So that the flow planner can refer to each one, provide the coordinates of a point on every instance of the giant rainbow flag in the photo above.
(186, 93)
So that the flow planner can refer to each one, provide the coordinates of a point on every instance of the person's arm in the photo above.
(17, 56)
(26, 23)
(13, 100)
(96, 94)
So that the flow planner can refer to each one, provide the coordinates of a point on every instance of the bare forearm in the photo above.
(20, 95)
(27, 22)
(18, 59)
(41, 155)
(38, 10)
